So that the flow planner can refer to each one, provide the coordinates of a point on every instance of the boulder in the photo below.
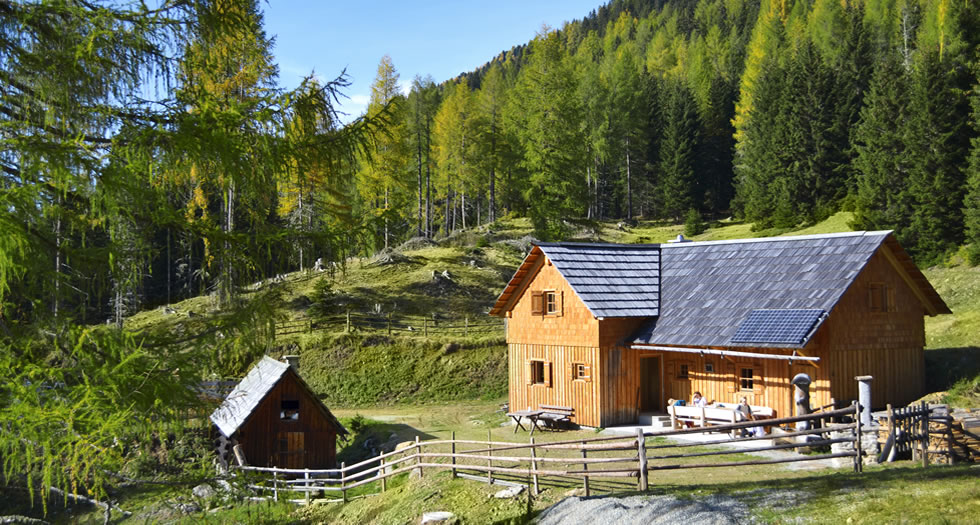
(203, 491)
(509, 493)
(443, 517)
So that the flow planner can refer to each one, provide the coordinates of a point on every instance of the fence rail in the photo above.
(584, 460)
(392, 324)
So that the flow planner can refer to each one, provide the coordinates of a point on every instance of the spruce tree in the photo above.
(679, 187)
(971, 211)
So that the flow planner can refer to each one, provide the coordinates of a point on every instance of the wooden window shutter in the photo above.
(758, 385)
(537, 303)
(528, 372)
(561, 303)
(890, 299)
(547, 375)
(588, 373)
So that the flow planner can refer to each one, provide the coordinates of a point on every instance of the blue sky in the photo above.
(441, 38)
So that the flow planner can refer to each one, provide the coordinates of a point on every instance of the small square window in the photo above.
(878, 298)
(746, 381)
(289, 410)
(580, 371)
(709, 367)
(683, 372)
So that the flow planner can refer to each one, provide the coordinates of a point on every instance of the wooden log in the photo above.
(585, 467)
(641, 448)
(857, 437)
(343, 478)
(453, 451)
(925, 435)
(489, 456)
(534, 467)
(754, 462)
(418, 453)
(522, 459)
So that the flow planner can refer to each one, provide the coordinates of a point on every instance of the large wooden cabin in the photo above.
(615, 330)
(278, 421)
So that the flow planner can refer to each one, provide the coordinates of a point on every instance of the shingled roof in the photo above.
(613, 280)
(702, 293)
(709, 289)
(250, 392)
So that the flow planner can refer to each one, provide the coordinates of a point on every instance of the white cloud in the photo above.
(360, 100)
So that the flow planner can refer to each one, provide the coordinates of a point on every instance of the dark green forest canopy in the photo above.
(150, 155)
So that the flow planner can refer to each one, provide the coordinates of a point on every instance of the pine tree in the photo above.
(971, 210)
(678, 185)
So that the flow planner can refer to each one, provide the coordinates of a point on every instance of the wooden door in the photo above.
(749, 383)
(651, 389)
(292, 450)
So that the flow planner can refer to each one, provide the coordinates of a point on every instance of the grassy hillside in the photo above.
(368, 368)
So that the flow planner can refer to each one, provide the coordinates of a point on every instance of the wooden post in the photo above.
(673, 418)
(384, 478)
(857, 437)
(389, 323)
(641, 448)
(347, 329)
(275, 486)
(949, 440)
(534, 466)
(306, 484)
(466, 326)
(453, 451)
(343, 479)
(585, 467)
(925, 434)
(425, 326)
(489, 455)
(418, 450)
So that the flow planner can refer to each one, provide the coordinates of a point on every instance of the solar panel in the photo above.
(786, 326)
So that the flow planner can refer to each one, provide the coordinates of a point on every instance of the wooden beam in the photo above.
(725, 353)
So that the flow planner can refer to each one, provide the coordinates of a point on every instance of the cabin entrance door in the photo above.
(292, 450)
(651, 386)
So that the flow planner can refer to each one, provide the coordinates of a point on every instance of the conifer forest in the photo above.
(148, 154)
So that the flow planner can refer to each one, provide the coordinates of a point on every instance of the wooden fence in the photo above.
(420, 326)
(584, 460)
(921, 431)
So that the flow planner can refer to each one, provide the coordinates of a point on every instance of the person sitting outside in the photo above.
(698, 400)
(744, 413)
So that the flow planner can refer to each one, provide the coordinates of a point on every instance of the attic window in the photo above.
(552, 307)
(289, 410)
(879, 298)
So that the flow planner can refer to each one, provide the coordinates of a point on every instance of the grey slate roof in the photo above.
(613, 280)
(248, 394)
(710, 288)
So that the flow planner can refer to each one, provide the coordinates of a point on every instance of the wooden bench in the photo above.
(717, 414)
(555, 416)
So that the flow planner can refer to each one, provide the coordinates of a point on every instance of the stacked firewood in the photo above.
(954, 435)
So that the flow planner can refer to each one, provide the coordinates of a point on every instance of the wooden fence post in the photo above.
(489, 461)
(925, 434)
(466, 326)
(384, 477)
(418, 458)
(306, 484)
(857, 437)
(585, 467)
(275, 486)
(425, 326)
(343, 479)
(890, 422)
(453, 451)
(347, 328)
(389, 323)
(641, 448)
(534, 467)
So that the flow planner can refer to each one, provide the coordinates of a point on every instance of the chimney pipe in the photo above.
(293, 361)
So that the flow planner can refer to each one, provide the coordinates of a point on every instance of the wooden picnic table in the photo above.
(532, 415)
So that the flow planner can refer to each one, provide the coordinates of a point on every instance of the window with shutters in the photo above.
(540, 373)
(581, 372)
(880, 298)
(683, 371)
(552, 306)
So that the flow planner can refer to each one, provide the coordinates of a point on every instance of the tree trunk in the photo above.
(386, 217)
(300, 243)
(629, 182)
(57, 259)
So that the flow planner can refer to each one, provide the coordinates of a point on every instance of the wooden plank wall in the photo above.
(259, 436)
(886, 345)
(563, 390)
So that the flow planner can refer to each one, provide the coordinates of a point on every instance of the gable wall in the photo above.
(259, 436)
(575, 327)
(887, 346)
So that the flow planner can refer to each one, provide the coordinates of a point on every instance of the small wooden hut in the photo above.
(613, 331)
(278, 421)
